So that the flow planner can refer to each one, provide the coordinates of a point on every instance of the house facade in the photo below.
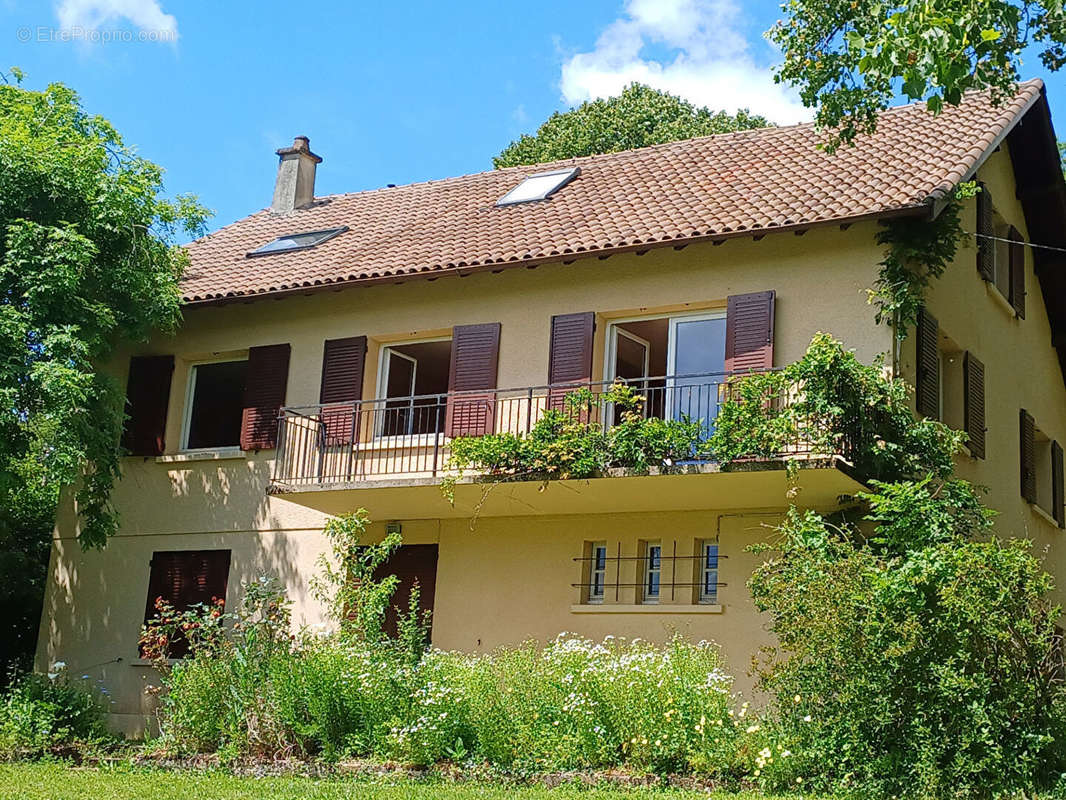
(333, 347)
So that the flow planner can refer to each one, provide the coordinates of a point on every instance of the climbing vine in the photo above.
(919, 250)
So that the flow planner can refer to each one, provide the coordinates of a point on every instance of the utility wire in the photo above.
(1013, 241)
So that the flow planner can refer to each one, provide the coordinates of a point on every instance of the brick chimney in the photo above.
(295, 186)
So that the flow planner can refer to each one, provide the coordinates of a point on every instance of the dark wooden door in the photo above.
(409, 563)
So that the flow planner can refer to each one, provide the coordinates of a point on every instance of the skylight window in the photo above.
(539, 186)
(296, 241)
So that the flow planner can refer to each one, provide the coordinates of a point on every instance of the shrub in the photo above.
(39, 713)
(928, 672)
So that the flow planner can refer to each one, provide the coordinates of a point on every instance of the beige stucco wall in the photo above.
(1021, 371)
(509, 579)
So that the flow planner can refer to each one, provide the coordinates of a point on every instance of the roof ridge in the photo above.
(1037, 82)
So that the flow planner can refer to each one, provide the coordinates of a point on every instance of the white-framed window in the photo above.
(412, 382)
(708, 571)
(214, 403)
(678, 360)
(597, 572)
(653, 570)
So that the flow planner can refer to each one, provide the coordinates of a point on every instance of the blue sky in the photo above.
(388, 92)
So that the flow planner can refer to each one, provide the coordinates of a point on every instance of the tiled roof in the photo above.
(711, 187)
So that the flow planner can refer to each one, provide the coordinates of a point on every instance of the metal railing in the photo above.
(409, 437)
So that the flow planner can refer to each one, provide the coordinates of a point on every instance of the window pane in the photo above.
(217, 405)
(699, 349)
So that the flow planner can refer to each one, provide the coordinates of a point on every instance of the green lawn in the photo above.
(59, 782)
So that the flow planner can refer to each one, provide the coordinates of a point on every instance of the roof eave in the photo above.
(916, 210)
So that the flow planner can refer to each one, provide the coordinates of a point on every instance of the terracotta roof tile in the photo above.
(714, 186)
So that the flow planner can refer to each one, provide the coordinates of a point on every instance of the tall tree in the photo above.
(87, 259)
(850, 58)
(638, 117)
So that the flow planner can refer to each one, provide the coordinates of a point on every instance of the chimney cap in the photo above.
(301, 145)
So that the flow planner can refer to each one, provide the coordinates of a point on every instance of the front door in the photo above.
(409, 563)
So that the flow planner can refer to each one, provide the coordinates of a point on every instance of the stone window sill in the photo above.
(220, 454)
(650, 608)
(1001, 301)
(1042, 513)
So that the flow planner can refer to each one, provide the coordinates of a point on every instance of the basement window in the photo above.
(539, 186)
(296, 241)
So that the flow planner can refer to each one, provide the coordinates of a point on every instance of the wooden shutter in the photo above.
(1057, 498)
(927, 365)
(184, 578)
(147, 398)
(570, 354)
(343, 362)
(749, 332)
(986, 248)
(475, 355)
(1017, 271)
(974, 404)
(264, 395)
(1027, 451)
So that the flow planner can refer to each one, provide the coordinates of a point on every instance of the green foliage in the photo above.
(574, 704)
(921, 672)
(849, 58)
(919, 250)
(638, 117)
(87, 259)
(40, 713)
(567, 443)
(830, 402)
(1062, 157)
(358, 602)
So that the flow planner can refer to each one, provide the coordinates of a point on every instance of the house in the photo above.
(333, 347)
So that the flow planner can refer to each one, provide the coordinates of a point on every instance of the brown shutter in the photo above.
(147, 398)
(264, 395)
(974, 404)
(570, 354)
(986, 248)
(927, 363)
(1027, 451)
(184, 578)
(343, 361)
(475, 355)
(1017, 271)
(749, 332)
(1057, 498)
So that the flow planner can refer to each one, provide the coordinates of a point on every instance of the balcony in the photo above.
(399, 448)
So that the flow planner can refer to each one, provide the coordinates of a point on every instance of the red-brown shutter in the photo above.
(986, 247)
(570, 354)
(1027, 451)
(147, 398)
(475, 356)
(927, 365)
(185, 578)
(749, 332)
(974, 404)
(264, 395)
(343, 361)
(1017, 271)
(1057, 498)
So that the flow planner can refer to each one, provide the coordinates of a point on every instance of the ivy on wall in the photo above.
(919, 250)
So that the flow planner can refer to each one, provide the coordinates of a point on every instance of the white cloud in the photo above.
(145, 15)
(710, 63)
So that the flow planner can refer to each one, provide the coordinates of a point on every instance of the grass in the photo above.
(56, 781)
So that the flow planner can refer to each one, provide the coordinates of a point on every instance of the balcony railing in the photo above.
(409, 437)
